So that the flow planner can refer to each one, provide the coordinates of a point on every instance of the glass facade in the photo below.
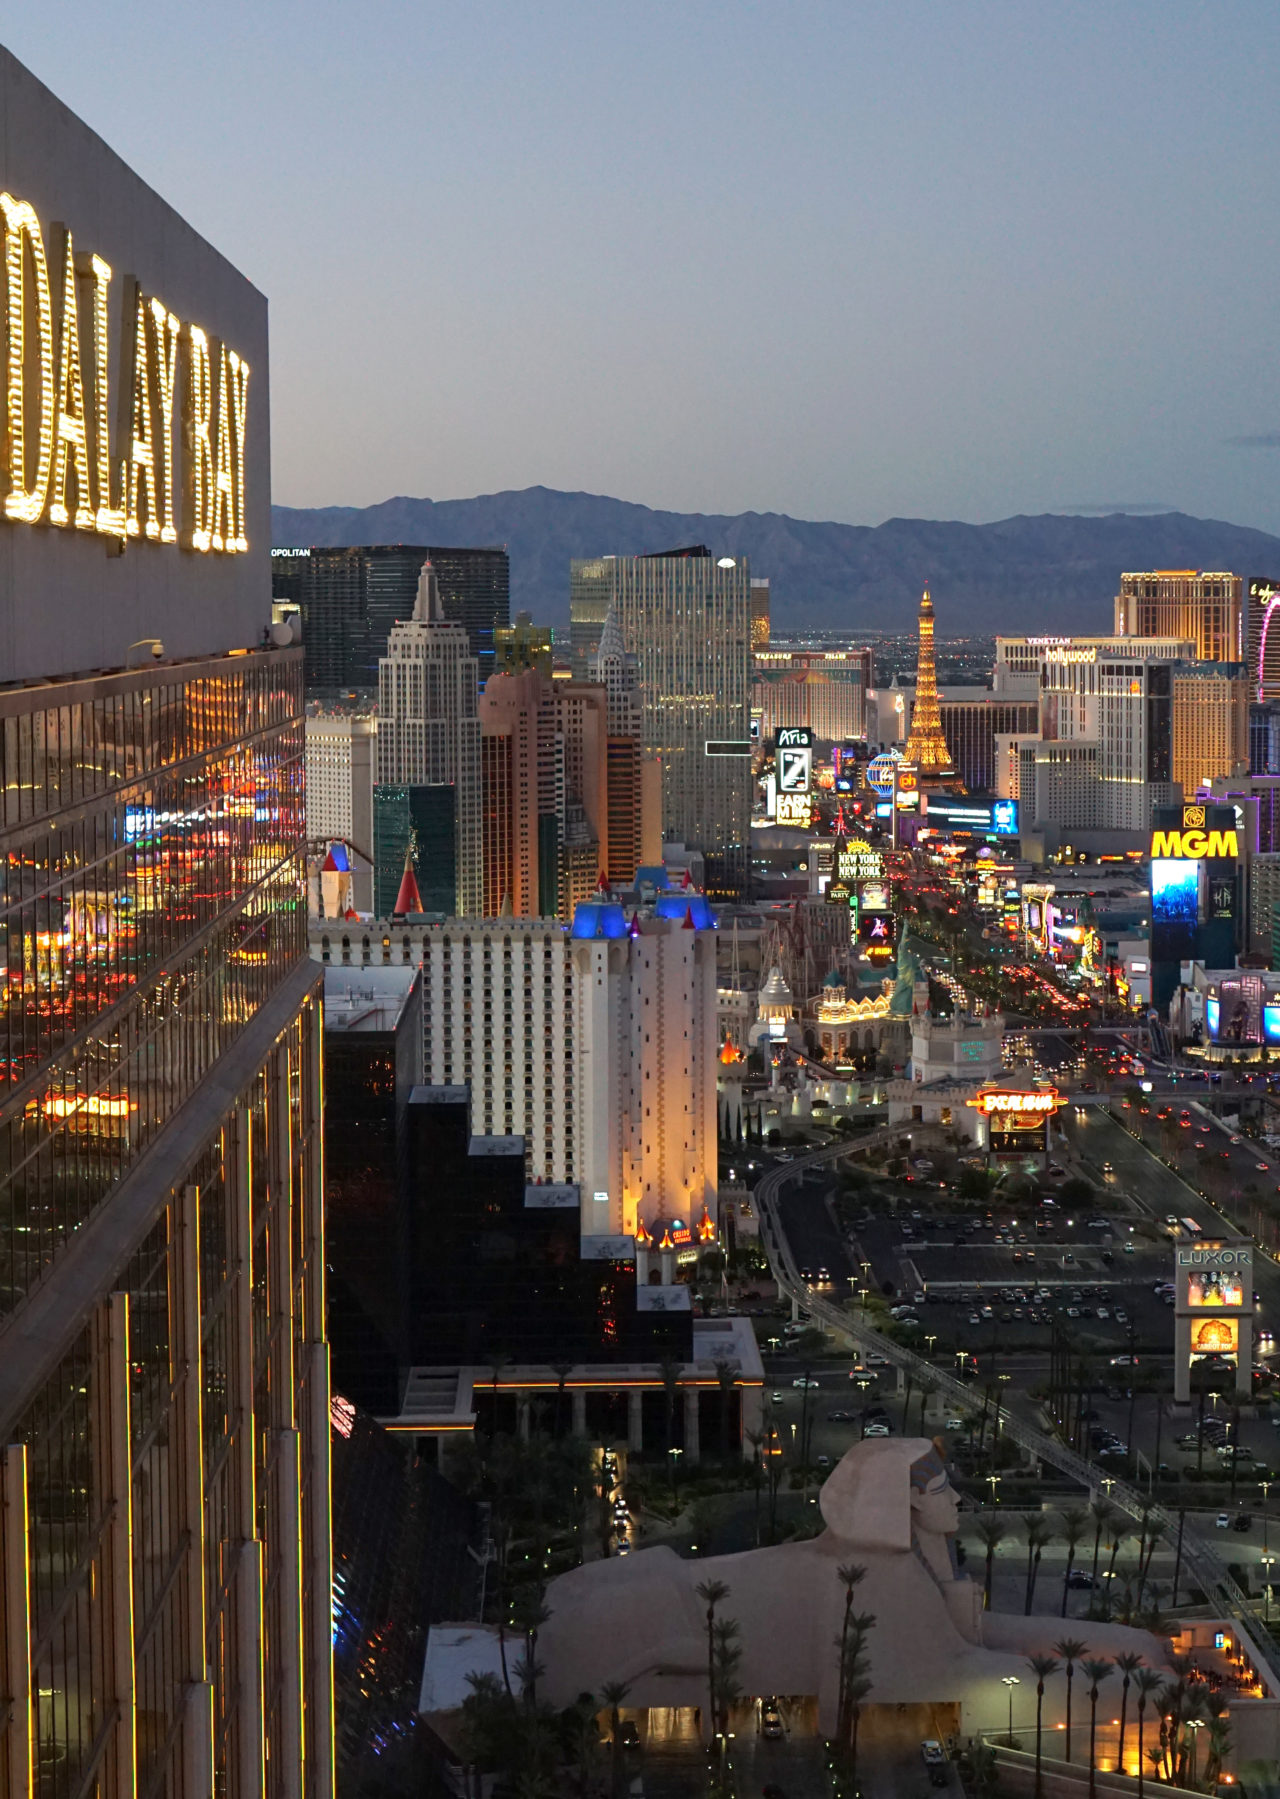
(163, 1365)
(423, 817)
(687, 616)
(351, 597)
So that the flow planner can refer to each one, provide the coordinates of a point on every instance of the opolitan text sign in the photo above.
(141, 438)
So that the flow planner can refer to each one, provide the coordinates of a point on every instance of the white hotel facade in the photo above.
(599, 1051)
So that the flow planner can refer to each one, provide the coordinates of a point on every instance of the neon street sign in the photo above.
(1016, 1102)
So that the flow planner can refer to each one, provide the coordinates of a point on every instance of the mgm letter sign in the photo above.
(1213, 1315)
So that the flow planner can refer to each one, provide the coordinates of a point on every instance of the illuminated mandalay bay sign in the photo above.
(154, 448)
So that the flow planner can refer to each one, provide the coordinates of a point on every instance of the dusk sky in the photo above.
(846, 261)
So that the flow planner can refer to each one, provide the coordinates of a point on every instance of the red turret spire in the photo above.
(408, 899)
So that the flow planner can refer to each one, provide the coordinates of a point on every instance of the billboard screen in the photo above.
(1239, 1010)
(1216, 1337)
(1210, 1287)
(795, 767)
(794, 809)
(875, 932)
(847, 764)
(1175, 909)
(1018, 1134)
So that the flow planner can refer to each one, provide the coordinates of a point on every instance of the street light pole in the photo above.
(1011, 1681)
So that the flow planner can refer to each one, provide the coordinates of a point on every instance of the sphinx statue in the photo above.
(889, 1507)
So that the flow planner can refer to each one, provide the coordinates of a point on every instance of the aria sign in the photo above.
(76, 455)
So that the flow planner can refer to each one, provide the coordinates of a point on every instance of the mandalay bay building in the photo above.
(164, 1393)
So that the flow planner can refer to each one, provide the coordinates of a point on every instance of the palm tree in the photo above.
(991, 1531)
(927, 1390)
(1128, 1665)
(562, 1371)
(726, 1380)
(755, 1441)
(711, 1593)
(850, 1576)
(1149, 1685)
(859, 1687)
(614, 1692)
(669, 1370)
(499, 1362)
(1070, 1649)
(1102, 1510)
(530, 1614)
(1119, 1531)
(1097, 1672)
(1155, 1533)
(810, 1346)
(1039, 1532)
(1219, 1737)
(1042, 1666)
(1074, 1522)
(728, 1657)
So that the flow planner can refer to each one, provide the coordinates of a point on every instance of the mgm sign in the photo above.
(1213, 1316)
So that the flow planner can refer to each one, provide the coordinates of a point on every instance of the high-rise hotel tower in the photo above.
(427, 797)
(165, 1610)
(687, 617)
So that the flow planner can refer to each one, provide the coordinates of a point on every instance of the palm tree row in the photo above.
(1111, 1528)
(536, 1751)
(1183, 1705)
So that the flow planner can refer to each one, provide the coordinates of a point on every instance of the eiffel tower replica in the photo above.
(926, 745)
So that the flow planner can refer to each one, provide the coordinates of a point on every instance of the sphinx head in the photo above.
(893, 1493)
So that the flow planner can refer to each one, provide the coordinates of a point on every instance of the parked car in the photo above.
(932, 1753)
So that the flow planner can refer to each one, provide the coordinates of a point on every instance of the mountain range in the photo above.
(1053, 572)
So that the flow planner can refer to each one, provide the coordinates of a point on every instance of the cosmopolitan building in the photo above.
(351, 597)
(164, 1386)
